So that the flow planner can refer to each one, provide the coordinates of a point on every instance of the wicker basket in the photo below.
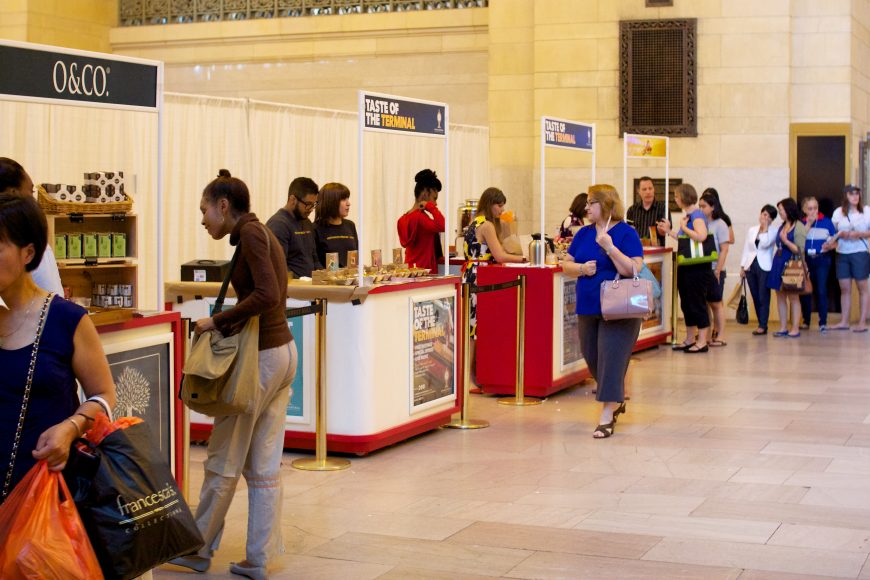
(53, 206)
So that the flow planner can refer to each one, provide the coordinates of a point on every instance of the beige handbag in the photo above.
(222, 373)
(627, 298)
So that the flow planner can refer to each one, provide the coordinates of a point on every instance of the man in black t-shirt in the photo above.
(647, 212)
(294, 230)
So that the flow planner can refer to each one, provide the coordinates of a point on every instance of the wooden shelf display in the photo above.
(116, 260)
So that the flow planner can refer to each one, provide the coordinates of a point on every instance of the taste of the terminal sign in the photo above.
(561, 133)
(393, 114)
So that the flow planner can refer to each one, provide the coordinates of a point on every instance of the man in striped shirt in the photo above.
(647, 213)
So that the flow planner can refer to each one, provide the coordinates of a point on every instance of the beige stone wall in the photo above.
(322, 61)
(81, 24)
(860, 60)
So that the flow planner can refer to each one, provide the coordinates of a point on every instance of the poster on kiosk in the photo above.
(577, 136)
(432, 341)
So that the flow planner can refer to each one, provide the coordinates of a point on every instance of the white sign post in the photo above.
(566, 135)
(391, 114)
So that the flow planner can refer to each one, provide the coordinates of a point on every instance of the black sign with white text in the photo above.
(27, 72)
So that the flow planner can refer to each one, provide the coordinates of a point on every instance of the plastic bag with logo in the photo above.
(129, 502)
(43, 536)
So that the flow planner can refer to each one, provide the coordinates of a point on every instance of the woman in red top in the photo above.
(420, 227)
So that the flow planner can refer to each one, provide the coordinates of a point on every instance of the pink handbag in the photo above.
(627, 298)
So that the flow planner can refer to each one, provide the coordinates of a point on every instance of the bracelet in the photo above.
(102, 402)
(76, 425)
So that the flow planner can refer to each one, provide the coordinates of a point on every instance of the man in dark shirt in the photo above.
(294, 230)
(647, 213)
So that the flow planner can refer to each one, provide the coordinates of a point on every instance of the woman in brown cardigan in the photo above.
(249, 445)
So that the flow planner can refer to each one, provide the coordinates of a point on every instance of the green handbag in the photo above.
(690, 252)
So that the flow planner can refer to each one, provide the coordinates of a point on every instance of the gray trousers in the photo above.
(606, 346)
(250, 445)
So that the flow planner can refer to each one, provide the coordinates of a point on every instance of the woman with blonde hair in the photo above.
(604, 250)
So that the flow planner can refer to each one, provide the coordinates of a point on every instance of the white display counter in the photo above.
(391, 370)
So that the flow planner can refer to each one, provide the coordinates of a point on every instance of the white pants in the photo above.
(250, 445)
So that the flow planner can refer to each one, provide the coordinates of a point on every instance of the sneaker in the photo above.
(823, 328)
(192, 561)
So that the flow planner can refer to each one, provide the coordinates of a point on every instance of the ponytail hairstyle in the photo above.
(233, 189)
(11, 174)
(426, 179)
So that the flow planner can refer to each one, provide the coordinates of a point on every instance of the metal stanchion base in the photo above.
(520, 402)
(467, 424)
(314, 464)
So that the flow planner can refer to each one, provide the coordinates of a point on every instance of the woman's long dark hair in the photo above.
(578, 206)
(11, 174)
(722, 215)
(846, 205)
(791, 210)
(713, 202)
(491, 196)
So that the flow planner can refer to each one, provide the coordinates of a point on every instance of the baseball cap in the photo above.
(850, 188)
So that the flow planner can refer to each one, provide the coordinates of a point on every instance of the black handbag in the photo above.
(134, 513)
(690, 252)
(742, 308)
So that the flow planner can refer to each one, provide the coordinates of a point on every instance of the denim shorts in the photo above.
(855, 266)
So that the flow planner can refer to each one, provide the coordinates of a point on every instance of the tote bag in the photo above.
(691, 252)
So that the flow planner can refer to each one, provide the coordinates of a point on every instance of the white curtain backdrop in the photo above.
(58, 143)
(265, 144)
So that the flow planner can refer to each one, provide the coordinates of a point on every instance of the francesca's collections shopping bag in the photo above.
(41, 534)
(128, 500)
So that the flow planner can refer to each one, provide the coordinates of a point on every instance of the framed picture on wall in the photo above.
(142, 371)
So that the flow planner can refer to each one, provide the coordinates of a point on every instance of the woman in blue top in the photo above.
(819, 259)
(45, 419)
(790, 242)
(602, 251)
(696, 283)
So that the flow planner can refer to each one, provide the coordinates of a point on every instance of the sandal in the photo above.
(619, 411)
(759, 332)
(605, 430)
(717, 342)
(696, 349)
(683, 346)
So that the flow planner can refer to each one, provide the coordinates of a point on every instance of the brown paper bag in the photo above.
(510, 239)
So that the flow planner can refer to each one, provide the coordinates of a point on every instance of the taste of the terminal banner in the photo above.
(433, 351)
(395, 114)
(646, 146)
(559, 133)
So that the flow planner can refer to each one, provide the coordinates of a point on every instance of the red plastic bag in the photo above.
(42, 534)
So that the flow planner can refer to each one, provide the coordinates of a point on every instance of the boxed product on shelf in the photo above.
(73, 245)
(204, 270)
(89, 245)
(60, 247)
(104, 245)
(119, 245)
(104, 186)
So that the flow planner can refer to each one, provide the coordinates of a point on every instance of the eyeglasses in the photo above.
(307, 204)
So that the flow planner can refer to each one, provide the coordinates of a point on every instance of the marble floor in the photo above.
(751, 461)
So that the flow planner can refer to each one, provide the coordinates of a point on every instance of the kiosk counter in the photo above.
(552, 347)
(391, 368)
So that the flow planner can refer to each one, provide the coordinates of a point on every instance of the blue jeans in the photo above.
(757, 280)
(819, 267)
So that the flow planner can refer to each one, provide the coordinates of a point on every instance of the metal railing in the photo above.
(156, 12)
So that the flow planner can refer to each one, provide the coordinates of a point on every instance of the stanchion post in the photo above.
(320, 462)
(185, 422)
(464, 422)
(674, 299)
(519, 399)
